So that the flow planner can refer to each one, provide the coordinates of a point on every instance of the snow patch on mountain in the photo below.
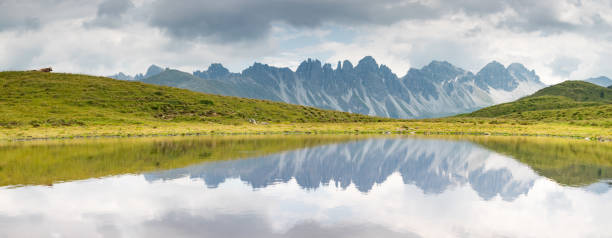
(524, 88)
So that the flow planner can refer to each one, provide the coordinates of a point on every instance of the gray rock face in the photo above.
(215, 71)
(438, 89)
(151, 71)
(495, 75)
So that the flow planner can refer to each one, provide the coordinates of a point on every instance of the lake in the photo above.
(306, 186)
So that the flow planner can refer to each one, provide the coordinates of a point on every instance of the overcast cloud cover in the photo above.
(560, 39)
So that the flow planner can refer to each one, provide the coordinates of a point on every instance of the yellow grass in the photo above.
(400, 127)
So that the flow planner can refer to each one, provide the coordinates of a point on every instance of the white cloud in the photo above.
(473, 34)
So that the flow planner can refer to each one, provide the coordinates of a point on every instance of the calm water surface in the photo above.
(307, 187)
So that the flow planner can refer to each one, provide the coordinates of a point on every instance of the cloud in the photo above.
(110, 14)
(35, 14)
(11, 18)
(114, 7)
(563, 66)
(238, 20)
(24, 23)
(189, 225)
(108, 36)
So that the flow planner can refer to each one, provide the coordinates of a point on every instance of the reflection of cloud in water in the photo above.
(183, 224)
(432, 165)
(130, 206)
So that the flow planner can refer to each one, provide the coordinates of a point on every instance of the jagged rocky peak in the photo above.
(495, 75)
(521, 73)
(217, 70)
(439, 65)
(386, 71)
(214, 71)
(257, 67)
(327, 67)
(309, 65)
(260, 71)
(367, 64)
(347, 66)
(441, 71)
(517, 67)
(153, 70)
(492, 68)
(122, 76)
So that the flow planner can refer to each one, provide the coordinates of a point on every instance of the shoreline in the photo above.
(169, 129)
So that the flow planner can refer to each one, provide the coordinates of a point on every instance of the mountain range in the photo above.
(438, 89)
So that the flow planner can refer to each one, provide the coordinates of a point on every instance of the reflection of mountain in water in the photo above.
(431, 165)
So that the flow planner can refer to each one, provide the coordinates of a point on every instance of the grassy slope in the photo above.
(571, 101)
(34, 99)
(577, 90)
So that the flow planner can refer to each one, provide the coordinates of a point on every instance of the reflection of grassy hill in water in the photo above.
(568, 162)
(50, 162)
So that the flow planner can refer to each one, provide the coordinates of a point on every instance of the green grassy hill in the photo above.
(570, 101)
(578, 91)
(35, 99)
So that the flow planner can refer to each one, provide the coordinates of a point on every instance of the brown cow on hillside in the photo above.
(46, 70)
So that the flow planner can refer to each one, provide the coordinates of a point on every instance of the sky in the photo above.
(559, 39)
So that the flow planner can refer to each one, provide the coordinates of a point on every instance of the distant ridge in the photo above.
(601, 81)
